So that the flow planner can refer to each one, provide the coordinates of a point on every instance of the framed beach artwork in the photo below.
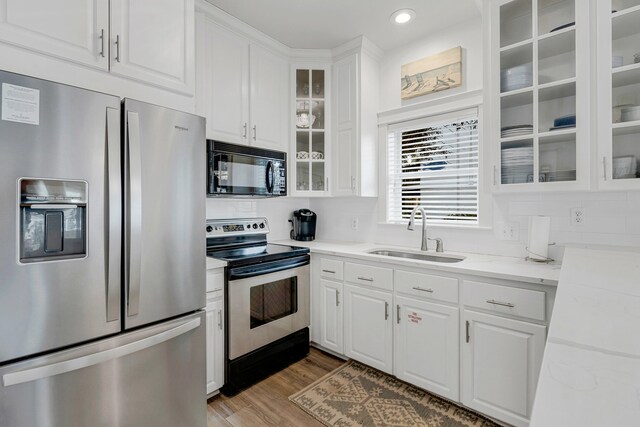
(432, 74)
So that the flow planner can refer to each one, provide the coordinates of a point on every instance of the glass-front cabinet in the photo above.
(619, 94)
(310, 171)
(540, 94)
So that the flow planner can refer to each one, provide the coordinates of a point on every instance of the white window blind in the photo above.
(433, 163)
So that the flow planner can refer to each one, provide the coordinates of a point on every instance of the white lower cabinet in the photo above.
(331, 303)
(368, 326)
(215, 342)
(427, 346)
(501, 361)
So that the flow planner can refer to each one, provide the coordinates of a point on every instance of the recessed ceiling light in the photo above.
(402, 16)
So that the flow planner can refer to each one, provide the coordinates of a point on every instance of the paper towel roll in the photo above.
(538, 246)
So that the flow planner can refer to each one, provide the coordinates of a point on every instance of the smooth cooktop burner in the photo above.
(256, 253)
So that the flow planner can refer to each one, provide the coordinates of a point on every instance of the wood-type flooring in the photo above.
(267, 402)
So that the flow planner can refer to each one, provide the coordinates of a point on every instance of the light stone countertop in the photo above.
(499, 267)
(590, 373)
(215, 263)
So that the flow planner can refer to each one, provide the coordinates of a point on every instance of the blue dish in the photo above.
(565, 121)
(436, 166)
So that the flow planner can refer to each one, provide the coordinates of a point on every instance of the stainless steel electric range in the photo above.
(267, 308)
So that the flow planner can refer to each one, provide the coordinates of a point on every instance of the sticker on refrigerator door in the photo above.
(20, 104)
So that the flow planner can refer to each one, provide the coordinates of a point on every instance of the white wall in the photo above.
(277, 211)
(612, 218)
(468, 35)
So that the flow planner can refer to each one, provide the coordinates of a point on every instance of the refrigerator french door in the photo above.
(165, 184)
(102, 262)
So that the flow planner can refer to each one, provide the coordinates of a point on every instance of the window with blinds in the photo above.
(433, 164)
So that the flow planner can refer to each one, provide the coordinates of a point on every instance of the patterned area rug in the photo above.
(357, 395)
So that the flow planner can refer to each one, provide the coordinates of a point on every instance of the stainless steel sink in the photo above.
(418, 256)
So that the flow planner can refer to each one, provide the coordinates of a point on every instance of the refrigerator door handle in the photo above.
(70, 365)
(134, 237)
(113, 241)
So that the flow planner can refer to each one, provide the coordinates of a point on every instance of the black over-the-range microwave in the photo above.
(238, 170)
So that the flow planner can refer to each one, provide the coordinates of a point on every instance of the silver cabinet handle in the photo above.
(220, 319)
(386, 310)
(398, 313)
(366, 279)
(117, 43)
(353, 183)
(134, 212)
(101, 42)
(329, 271)
(467, 330)
(418, 288)
(604, 167)
(70, 365)
(504, 304)
(113, 240)
(326, 186)
(244, 130)
(255, 132)
(337, 297)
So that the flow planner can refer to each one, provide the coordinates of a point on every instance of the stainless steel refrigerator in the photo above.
(102, 260)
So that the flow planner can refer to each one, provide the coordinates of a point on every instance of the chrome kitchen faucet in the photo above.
(412, 218)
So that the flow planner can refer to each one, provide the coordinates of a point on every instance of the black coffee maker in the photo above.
(304, 225)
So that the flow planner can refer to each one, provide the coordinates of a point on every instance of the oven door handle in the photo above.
(267, 267)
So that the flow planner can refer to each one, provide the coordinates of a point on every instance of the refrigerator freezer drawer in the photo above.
(151, 377)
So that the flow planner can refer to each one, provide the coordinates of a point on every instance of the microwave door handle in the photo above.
(134, 213)
(113, 241)
(270, 177)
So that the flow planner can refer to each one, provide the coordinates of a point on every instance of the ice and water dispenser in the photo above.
(53, 219)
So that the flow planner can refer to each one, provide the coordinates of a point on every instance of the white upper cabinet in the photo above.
(74, 30)
(354, 155)
(152, 41)
(222, 85)
(242, 87)
(540, 94)
(268, 98)
(619, 94)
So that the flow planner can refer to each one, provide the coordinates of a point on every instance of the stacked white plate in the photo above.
(568, 175)
(517, 165)
(516, 130)
(517, 77)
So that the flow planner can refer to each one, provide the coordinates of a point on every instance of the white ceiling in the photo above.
(325, 24)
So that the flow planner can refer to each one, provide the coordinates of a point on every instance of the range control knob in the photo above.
(262, 225)
(209, 229)
(255, 226)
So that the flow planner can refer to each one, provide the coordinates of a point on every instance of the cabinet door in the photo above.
(331, 325)
(153, 41)
(500, 365)
(426, 346)
(345, 93)
(222, 94)
(368, 327)
(215, 344)
(269, 97)
(74, 30)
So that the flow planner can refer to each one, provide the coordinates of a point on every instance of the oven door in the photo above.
(266, 307)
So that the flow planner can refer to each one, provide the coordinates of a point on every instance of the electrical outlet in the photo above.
(578, 216)
(509, 231)
(354, 222)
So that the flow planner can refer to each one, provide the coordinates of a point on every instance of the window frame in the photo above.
(450, 105)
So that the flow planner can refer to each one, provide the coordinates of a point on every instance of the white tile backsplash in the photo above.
(612, 218)
(277, 211)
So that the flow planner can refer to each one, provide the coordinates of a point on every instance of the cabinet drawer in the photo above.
(427, 286)
(215, 279)
(214, 296)
(505, 299)
(367, 275)
(331, 268)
